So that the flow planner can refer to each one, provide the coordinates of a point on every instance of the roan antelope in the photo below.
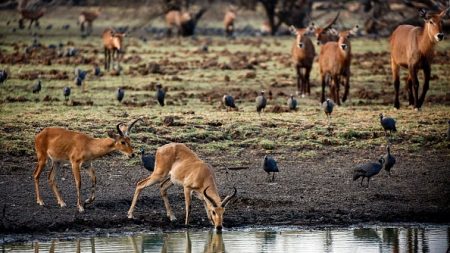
(113, 46)
(31, 14)
(60, 144)
(412, 48)
(334, 62)
(326, 34)
(228, 21)
(177, 164)
(303, 54)
(88, 17)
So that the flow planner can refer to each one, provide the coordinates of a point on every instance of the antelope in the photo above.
(265, 28)
(326, 34)
(32, 15)
(88, 17)
(228, 21)
(303, 54)
(60, 144)
(183, 21)
(177, 164)
(113, 45)
(334, 62)
(412, 48)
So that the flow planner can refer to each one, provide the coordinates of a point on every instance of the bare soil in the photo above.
(316, 191)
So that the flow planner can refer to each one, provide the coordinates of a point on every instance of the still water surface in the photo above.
(354, 239)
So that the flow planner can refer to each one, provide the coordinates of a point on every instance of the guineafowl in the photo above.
(389, 160)
(367, 170)
(328, 106)
(120, 94)
(160, 94)
(292, 103)
(270, 165)
(448, 131)
(261, 102)
(148, 160)
(66, 93)
(228, 101)
(388, 124)
(3, 76)
(78, 81)
(97, 71)
(37, 86)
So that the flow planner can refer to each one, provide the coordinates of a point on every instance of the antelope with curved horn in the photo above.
(412, 47)
(60, 144)
(326, 34)
(177, 164)
(303, 54)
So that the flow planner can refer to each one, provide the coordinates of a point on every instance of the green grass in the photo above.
(194, 97)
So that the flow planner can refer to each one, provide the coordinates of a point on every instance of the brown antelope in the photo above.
(303, 54)
(113, 45)
(88, 17)
(32, 15)
(412, 47)
(175, 19)
(177, 164)
(265, 28)
(228, 21)
(334, 62)
(60, 144)
(326, 34)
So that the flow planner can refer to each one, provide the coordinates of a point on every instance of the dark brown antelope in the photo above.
(412, 47)
(177, 164)
(334, 61)
(60, 144)
(88, 17)
(303, 54)
(32, 15)
(113, 45)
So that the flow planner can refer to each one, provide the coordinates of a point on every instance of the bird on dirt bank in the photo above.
(160, 94)
(120, 94)
(389, 160)
(228, 101)
(261, 102)
(3, 76)
(367, 170)
(148, 160)
(270, 165)
(388, 124)
(37, 86)
(66, 93)
(292, 103)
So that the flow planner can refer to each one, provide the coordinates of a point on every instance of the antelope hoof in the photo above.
(172, 218)
(130, 215)
(62, 204)
(40, 202)
(80, 209)
(89, 200)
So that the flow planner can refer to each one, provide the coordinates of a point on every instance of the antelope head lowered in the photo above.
(177, 164)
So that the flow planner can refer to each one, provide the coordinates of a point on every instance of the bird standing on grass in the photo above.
(388, 124)
(97, 71)
(367, 170)
(147, 160)
(292, 103)
(37, 86)
(448, 131)
(3, 76)
(228, 101)
(160, 94)
(270, 165)
(66, 93)
(389, 160)
(120, 94)
(261, 103)
(80, 76)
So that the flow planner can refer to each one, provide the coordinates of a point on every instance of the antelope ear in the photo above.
(444, 13)
(423, 13)
(293, 30)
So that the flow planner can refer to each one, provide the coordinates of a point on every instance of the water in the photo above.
(366, 239)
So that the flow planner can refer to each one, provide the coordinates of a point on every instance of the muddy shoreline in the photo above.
(308, 192)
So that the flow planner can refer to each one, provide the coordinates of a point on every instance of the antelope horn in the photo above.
(132, 124)
(228, 198)
(118, 129)
(332, 22)
(209, 198)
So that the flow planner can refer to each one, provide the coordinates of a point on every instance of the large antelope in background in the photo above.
(32, 15)
(334, 61)
(60, 144)
(412, 47)
(177, 164)
(113, 45)
(88, 17)
(182, 21)
(303, 54)
(228, 20)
